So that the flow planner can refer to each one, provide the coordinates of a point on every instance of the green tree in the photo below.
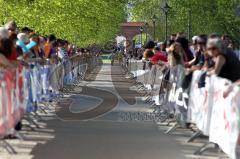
(79, 21)
(206, 16)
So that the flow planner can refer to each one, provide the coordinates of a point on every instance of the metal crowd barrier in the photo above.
(22, 90)
(214, 116)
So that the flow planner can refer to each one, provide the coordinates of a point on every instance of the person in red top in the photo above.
(14, 54)
(9, 49)
(158, 56)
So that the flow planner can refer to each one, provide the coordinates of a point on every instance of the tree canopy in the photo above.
(80, 21)
(206, 17)
(86, 22)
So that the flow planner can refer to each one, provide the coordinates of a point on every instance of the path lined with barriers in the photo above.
(116, 130)
(106, 136)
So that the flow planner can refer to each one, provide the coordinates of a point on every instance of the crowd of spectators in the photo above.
(18, 45)
(213, 54)
(23, 47)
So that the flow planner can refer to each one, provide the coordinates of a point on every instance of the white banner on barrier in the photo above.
(215, 116)
(224, 128)
(196, 98)
(200, 104)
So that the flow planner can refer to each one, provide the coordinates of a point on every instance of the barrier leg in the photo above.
(206, 147)
(36, 116)
(29, 126)
(153, 106)
(194, 136)
(43, 110)
(46, 107)
(161, 115)
(32, 122)
(170, 120)
(16, 134)
(148, 99)
(158, 108)
(134, 78)
(140, 87)
(173, 128)
(139, 84)
(8, 147)
(128, 75)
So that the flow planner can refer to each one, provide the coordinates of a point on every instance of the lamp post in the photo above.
(189, 23)
(189, 20)
(141, 31)
(166, 9)
(76, 36)
(146, 27)
(154, 18)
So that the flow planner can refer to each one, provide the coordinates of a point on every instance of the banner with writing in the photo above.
(224, 129)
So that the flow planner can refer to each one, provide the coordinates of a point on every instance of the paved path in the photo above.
(108, 132)
(107, 137)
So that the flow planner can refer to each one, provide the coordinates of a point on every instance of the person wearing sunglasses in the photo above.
(5, 49)
(226, 63)
(198, 61)
(11, 26)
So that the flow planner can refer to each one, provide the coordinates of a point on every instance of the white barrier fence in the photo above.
(23, 88)
(214, 115)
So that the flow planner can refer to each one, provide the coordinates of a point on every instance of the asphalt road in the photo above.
(104, 117)
(106, 135)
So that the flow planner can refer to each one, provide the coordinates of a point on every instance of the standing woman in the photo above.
(188, 55)
(48, 47)
(176, 64)
(6, 47)
(226, 63)
(177, 47)
(177, 75)
(42, 42)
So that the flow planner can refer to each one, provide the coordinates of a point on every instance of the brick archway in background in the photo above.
(129, 30)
